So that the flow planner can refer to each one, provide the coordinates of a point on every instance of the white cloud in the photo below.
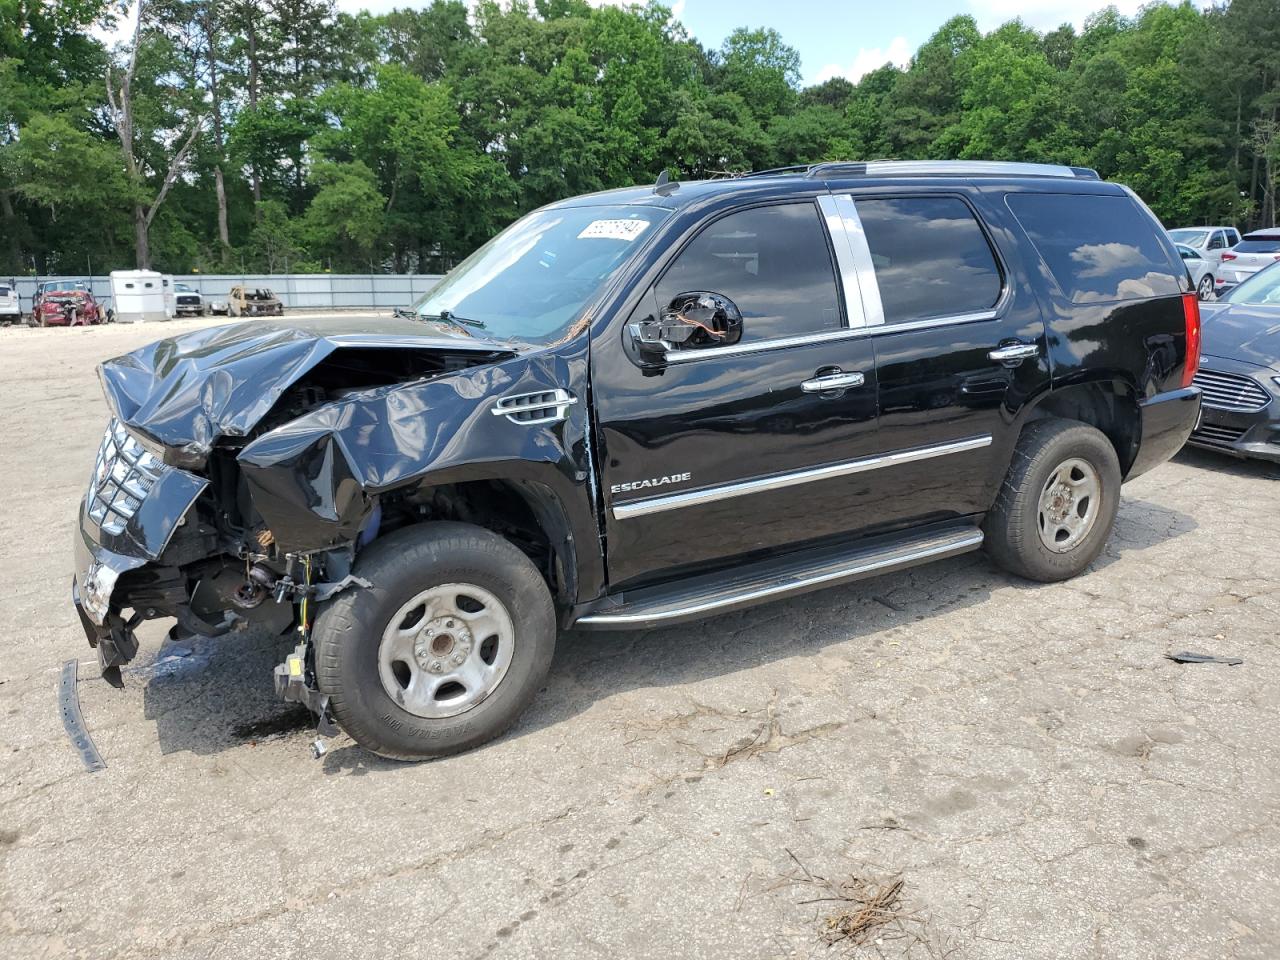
(898, 52)
(1042, 14)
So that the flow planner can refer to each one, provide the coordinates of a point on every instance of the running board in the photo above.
(775, 578)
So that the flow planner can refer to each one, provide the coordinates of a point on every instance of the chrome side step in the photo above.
(775, 579)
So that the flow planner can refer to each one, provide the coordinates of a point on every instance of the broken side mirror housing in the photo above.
(697, 320)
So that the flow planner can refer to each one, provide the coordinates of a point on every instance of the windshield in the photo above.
(182, 288)
(531, 281)
(1193, 237)
(1261, 288)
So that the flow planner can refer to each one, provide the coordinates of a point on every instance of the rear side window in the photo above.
(931, 258)
(772, 262)
(1098, 248)
(1258, 246)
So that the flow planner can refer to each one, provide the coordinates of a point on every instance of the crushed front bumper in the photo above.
(134, 505)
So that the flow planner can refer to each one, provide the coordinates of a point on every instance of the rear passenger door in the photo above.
(958, 346)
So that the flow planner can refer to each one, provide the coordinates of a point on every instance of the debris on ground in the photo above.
(868, 911)
(1187, 656)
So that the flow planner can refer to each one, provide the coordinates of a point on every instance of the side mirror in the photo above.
(698, 320)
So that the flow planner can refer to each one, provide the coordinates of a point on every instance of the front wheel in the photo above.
(444, 650)
(1204, 289)
(1058, 503)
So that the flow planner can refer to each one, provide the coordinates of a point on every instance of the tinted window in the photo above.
(773, 262)
(1098, 248)
(1258, 246)
(1218, 241)
(931, 257)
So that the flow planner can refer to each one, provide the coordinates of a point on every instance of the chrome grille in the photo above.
(1212, 433)
(1230, 391)
(123, 475)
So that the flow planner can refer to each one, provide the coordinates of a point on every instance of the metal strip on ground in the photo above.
(69, 703)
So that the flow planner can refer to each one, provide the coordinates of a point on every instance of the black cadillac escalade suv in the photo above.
(636, 408)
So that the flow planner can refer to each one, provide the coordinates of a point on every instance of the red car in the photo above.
(65, 305)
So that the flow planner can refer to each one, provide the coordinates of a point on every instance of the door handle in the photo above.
(1012, 354)
(833, 381)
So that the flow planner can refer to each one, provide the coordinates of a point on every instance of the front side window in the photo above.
(1218, 241)
(931, 258)
(773, 262)
(532, 280)
(1099, 248)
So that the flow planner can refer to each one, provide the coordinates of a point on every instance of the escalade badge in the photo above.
(653, 482)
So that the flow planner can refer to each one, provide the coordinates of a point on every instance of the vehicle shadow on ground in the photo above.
(218, 694)
(1201, 459)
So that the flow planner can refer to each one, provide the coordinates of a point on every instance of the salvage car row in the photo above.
(68, 302)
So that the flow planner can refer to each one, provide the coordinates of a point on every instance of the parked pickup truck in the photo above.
(636, 408)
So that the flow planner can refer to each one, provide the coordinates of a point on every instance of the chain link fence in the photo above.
(297, 291)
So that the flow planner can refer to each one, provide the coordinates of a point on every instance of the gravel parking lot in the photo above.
(1045, 783)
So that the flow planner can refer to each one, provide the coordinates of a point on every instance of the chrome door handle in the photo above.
(1012, 354)
(833, 381)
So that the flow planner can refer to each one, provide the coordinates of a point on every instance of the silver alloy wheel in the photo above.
(1206, 287)
(446, 650)
(1069, 504)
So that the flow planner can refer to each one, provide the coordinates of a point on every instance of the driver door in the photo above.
(722, 449)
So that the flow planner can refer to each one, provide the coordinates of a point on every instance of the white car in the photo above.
(1210, 242)
(10, 305)
(1201, 270)
(1257, 250)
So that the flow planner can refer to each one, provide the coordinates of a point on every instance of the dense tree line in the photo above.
(274, 134)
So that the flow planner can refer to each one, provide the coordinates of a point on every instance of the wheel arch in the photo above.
(1108, 404)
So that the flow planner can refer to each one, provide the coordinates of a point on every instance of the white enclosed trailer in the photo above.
(138, 295)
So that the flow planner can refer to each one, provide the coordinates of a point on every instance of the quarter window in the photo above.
(1099, 248)
(772, 262)
(930, 256)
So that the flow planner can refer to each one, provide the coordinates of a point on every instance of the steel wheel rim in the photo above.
(446, 650)
(1206, 287)
(1069, 505)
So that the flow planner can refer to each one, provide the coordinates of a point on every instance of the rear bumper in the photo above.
(1167, 421)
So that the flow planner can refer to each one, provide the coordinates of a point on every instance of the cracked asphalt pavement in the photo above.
(1046, 783)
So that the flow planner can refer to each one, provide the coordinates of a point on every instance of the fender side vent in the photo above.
(547, 406)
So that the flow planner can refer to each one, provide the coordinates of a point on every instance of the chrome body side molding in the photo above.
(693, 498)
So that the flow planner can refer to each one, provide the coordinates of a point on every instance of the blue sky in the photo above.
(845, 38)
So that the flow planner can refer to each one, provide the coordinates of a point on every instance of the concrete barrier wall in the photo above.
(304, 291)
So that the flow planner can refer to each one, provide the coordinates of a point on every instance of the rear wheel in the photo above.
(1204, 289)
(1058, 503)
(444, 650)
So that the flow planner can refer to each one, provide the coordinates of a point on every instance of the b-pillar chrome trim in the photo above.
(676, 501)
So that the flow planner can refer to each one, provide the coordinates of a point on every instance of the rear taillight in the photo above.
(1191, 316)
(1228, 256)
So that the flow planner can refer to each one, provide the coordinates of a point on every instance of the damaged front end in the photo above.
(247, 466)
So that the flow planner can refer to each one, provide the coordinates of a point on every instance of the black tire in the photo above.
(348, 632)
(1013, 525)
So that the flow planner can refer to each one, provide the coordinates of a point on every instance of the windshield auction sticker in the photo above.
(626, 230)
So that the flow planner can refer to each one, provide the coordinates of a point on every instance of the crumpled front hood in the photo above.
(1245, 332)
(187, 391)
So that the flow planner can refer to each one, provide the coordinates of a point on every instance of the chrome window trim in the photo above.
(847, 333)
(834, 214)
(864, 266)
(693, 498)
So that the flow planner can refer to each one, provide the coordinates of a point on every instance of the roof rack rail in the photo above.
(776, 171)
(946, 168)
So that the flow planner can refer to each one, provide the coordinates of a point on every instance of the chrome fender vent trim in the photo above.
(546, 406)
